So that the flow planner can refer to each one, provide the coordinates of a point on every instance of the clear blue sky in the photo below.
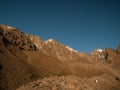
(80, 24)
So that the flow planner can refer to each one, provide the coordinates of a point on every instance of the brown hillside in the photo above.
(25, 58)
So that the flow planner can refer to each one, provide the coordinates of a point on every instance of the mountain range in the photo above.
(25, 58)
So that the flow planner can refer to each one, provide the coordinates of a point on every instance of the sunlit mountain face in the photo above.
(29, 63)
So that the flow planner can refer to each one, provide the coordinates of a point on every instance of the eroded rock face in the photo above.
(37, 41)
(13, 38)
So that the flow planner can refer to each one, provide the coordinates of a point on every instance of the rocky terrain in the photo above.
(72, 83)
(29, 63)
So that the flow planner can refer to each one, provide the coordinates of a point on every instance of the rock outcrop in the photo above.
(110, 54)
(13, 38)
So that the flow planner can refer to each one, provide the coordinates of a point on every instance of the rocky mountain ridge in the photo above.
(14, 38)
(25, 58)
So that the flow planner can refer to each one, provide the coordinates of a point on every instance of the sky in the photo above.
(81, 24)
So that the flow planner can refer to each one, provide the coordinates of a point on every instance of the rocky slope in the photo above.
(25, 58)
(15, 70)
(21, 61)
(14, 38)
(73, 83)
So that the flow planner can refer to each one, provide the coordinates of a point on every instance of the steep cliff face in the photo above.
(13, 38)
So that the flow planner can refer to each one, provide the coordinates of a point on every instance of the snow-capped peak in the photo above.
(99, 50)
(9, 27)
(71, 49)
(49, 40)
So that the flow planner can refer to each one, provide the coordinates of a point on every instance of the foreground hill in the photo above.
(50, 65)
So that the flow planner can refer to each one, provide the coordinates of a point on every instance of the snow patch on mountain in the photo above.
(9, 27)
(49, 40)
(99, 50)
(71, 49)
